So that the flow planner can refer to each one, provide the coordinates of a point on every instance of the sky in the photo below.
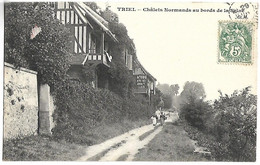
(179, 47)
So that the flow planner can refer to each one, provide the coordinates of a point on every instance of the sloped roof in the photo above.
(145, 71)
(84, 11)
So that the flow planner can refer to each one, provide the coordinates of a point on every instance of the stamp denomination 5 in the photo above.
(235, 42)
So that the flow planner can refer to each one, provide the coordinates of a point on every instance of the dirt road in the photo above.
(125, 146)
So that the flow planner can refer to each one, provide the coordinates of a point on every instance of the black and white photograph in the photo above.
(120, 81)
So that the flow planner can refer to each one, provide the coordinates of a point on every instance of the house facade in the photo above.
(91, 47)
(90, 43)
(145, 82)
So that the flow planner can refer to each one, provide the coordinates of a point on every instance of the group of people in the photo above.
(158, 117)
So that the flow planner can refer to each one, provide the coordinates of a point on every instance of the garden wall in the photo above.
(20, 102)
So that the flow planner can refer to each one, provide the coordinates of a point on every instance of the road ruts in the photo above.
(123, 147)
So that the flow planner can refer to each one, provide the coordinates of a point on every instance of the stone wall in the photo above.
(20, 102)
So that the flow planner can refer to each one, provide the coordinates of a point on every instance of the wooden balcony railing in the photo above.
(94, 57)
(91, 57)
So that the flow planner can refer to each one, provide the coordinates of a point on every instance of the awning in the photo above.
(84, 9)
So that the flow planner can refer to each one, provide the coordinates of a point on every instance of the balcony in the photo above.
(91, 58)
(99, 58)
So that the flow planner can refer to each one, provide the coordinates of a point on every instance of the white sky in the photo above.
(180, 47)
(163, 50)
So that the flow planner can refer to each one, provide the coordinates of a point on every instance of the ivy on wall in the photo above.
(47, 53)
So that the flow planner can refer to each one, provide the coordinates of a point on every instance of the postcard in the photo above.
(130, 81)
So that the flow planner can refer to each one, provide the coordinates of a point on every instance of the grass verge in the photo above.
(41, 148)
(172, 144)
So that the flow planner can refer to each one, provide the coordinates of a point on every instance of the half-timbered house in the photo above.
(145, 82)
(90, 45)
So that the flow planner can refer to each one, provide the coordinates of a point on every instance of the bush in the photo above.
(138, 107)
(47, 53)
(230, 127)
(195, 113)
(80, 108)
(235, 126)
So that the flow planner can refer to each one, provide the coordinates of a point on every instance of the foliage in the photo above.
(175, 89)
(79, 107)
(167, 89)
(167, 100)
(93, 6)
(176, 102)
(40, 148)
(195, 113)
(192, 91)
(47, 53)
(156, 99)
(232, 123)
(235, 128)
(171, 144)
(168, 94)
(88, 73)
(122, 80)
(138, 107)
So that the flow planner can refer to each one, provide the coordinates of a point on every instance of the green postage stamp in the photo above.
(235, 42)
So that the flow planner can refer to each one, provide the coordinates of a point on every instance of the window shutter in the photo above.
(129, 63)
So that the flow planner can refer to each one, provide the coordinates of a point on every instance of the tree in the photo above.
(165, 89)
(175, 89)
(93, 6)
(235, 127)
(193, 108)
(195, 113)
(46, 53)
(167, 100)
(169, 93)
(192, 91)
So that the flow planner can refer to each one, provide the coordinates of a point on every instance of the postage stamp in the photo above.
(235, 42)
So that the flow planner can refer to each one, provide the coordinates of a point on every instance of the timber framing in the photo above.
(144, 80)
(90, 33)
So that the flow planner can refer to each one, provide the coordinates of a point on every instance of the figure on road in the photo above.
(162, 118)
(158, 114)
(154, 120)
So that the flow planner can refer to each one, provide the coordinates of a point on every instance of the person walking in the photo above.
(162, 118)
(158, 114)
(154, 120)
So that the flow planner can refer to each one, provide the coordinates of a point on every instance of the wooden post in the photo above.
(102, 43)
